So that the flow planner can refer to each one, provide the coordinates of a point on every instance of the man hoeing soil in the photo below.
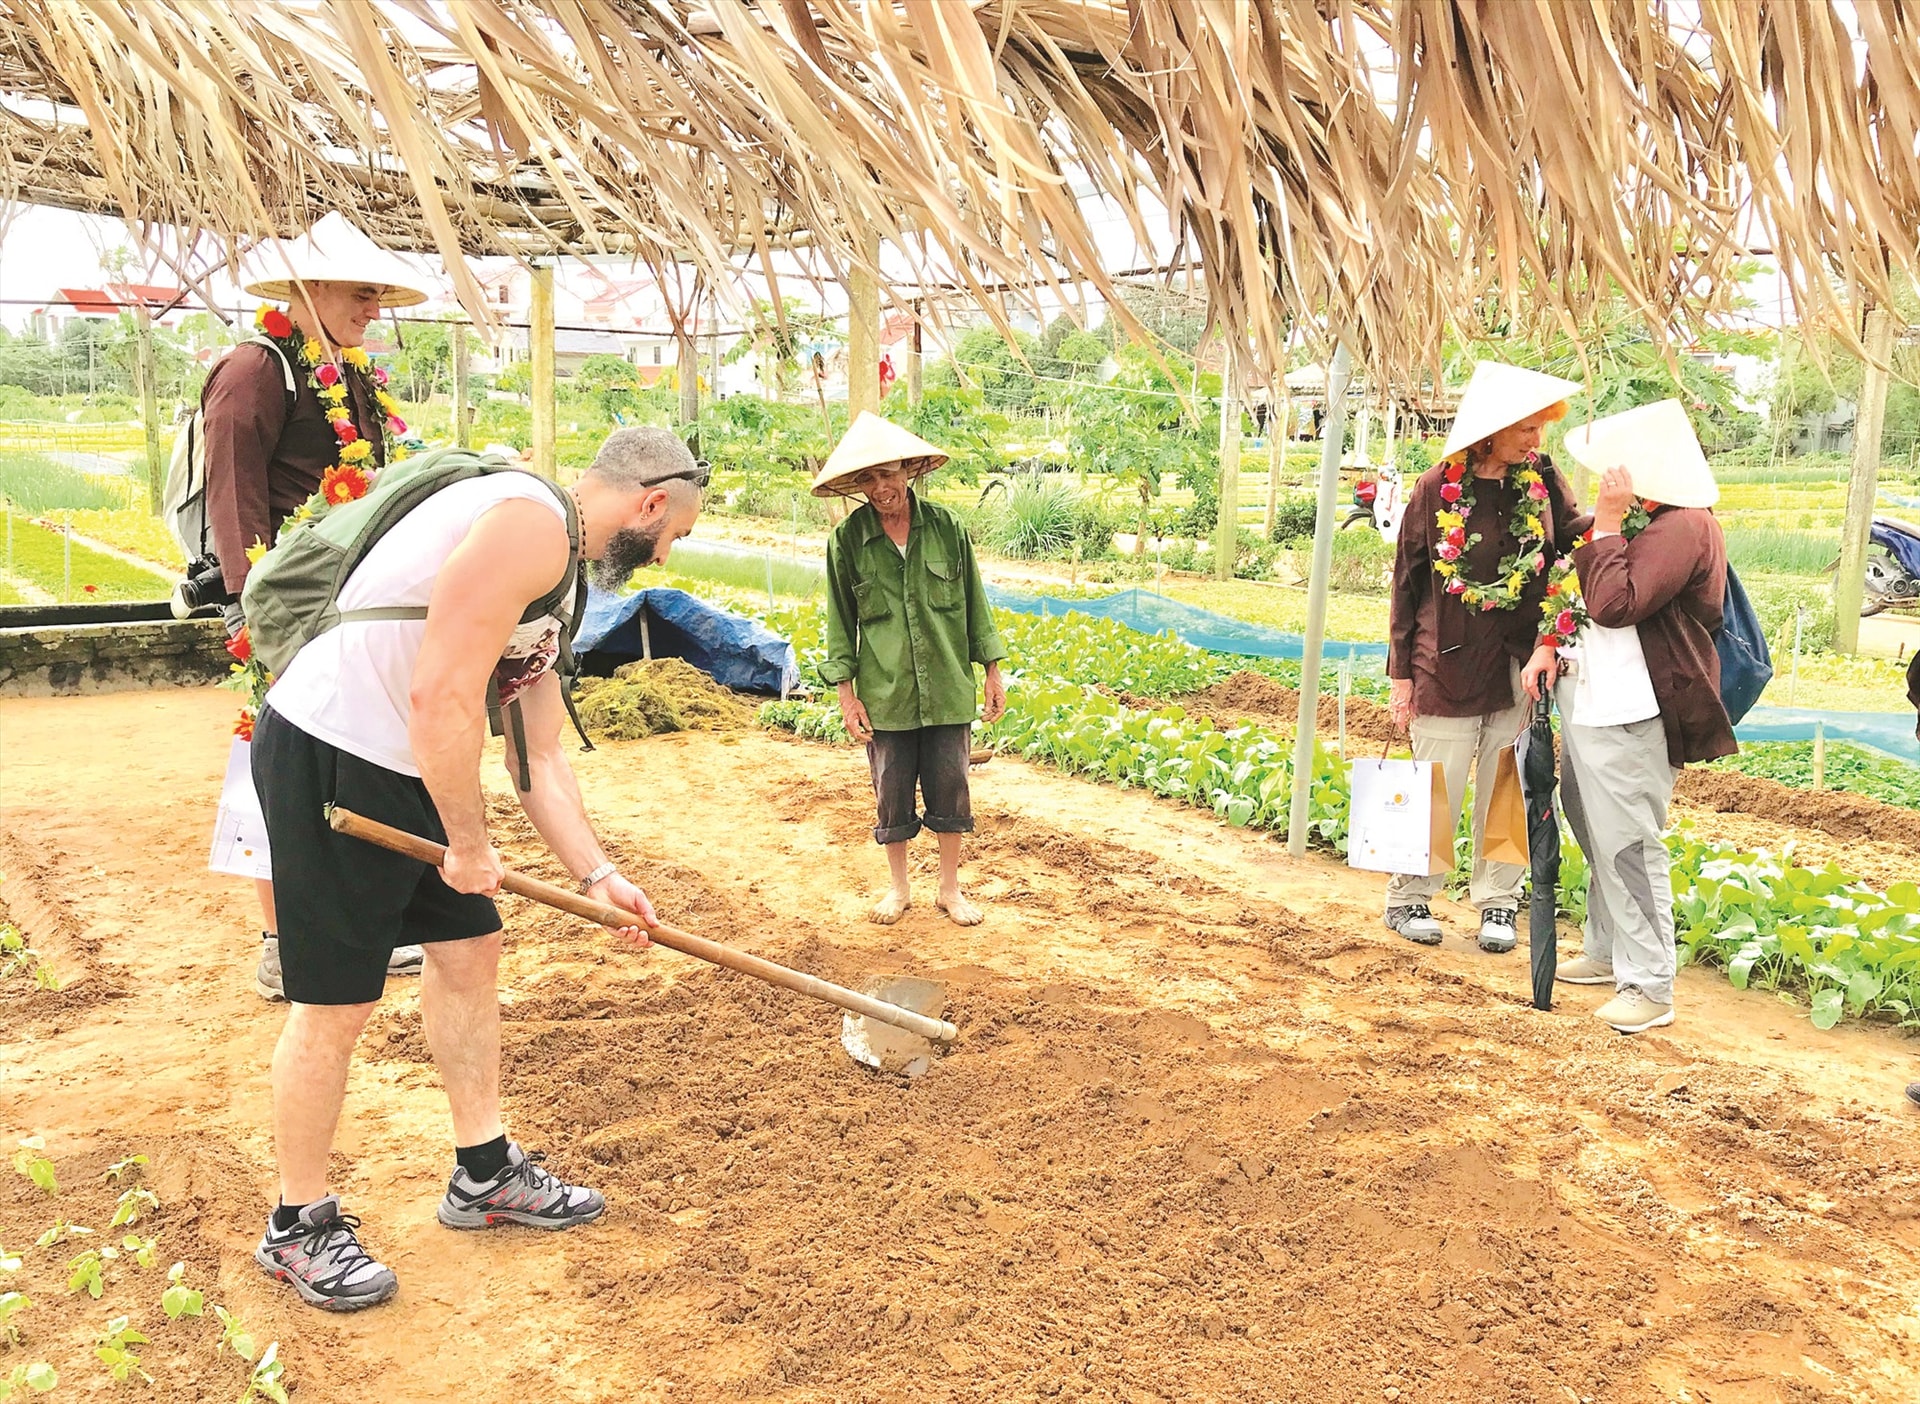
(461, 605)
(907, 618)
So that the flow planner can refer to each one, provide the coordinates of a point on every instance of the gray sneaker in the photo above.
(523, 1193)
(1414, 922)
(406, 960)
(266, 975)
(321, 1258)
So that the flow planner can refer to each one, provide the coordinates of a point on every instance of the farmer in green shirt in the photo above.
(907, 619)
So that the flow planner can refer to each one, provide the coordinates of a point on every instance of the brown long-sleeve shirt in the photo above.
(1456, 655)
(264, 460)
(1670, 582)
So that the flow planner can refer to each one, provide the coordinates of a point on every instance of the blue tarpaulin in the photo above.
(735, 652)
(1891, 732)
(1156, 614)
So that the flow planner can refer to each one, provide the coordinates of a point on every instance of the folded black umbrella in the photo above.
(1533, 752)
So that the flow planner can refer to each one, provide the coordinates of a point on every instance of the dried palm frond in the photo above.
(1371, 167)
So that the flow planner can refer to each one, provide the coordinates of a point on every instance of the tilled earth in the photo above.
(1208, 1132)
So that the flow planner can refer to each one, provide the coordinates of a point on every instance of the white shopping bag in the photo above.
(1398, 820)
(240, 829)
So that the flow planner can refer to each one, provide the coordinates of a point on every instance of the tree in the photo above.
(1134, 428)
(424, 362)
(610, 380)
(775, 348)
(516, 378)
(982, 358)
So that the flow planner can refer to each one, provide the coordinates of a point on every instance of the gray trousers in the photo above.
(1460, 744)
(1615, 786)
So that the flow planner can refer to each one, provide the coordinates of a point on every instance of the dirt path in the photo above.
(1208, 1133)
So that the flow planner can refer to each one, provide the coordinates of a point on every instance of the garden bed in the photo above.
(1208, 1131)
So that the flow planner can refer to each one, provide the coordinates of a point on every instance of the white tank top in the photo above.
(352, 686)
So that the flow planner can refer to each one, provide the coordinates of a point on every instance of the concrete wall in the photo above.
(65, 659)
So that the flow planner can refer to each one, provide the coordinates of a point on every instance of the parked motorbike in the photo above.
(1893, 566)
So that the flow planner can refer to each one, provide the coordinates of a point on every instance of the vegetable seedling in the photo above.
(61, 1231)
(86, 1274)
(121, 1167)
(140, 1248)
(31, 1160)
(11, 1305)
(131, 1204)
(233, 1334)
(178, 1299)
(115, 1351)
(39, 1377)
(264, 1382)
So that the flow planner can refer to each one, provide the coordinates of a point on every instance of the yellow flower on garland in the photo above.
(356, 357)
(1444, 567)
(359, 451)
(1449, 520)
(256, 551)
(314, 351)
(1516, 580)
(386, 402)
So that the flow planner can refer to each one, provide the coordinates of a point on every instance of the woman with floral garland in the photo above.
(1633, 610)
(1478, 534)
(296, 411)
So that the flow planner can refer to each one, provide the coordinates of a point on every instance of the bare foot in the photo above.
(891, 908)
(960, 910)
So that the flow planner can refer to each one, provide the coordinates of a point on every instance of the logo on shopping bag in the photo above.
(1397, 800)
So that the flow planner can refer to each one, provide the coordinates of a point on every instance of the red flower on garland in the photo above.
(1455, 472)
(1563, 624)
(327, 373)
(1457, 537)
(344, 431)
(345, 483)
(1449, 492)
(240, 646)
(243, 728)
(274, 323)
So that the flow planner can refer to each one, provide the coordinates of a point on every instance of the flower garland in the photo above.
(1563, 608)
(1528, 526)
(346, 481)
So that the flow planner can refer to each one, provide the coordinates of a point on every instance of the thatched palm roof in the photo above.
(1380, 164)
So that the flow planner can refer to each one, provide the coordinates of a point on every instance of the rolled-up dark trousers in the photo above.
(931, 760)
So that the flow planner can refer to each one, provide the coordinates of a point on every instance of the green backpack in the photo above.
(292, 595)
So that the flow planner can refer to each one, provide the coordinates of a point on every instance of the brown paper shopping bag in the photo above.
(1440, 825)
(1505, 840)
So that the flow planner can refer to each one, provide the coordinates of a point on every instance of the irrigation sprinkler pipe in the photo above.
(1334, 434)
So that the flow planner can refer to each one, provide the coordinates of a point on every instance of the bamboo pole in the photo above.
(1848, 585)
(540, 349)
(1226, 527)
(1276, 460)
(863, 330)
(462, 389)
(1334, 433)
(149, 406)
(916, 365)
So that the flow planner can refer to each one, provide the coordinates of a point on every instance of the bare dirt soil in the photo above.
(1208, 1132)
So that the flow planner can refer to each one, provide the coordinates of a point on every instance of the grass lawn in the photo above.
(39, 557)
(9, 595)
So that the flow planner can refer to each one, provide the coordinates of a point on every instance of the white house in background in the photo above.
(106, 304)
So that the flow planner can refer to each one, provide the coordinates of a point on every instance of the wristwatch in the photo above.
(598, 875)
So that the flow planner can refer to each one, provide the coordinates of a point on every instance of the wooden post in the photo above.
(686, 364)
(1861, 487)
(540, 348)
(1226, 528)
(462, 390)
(1335, 432)
(916, 370)
(863, 332)
(146, 373)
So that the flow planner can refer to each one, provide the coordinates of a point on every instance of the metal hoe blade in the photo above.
(884, 1047)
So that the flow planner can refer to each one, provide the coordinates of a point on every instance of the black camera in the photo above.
(204, 588)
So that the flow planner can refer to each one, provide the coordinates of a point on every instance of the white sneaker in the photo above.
(1631, 1012)
(406, 960)
(1497, 932)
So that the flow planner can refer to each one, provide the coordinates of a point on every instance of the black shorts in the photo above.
(932, 759)
(344, 903)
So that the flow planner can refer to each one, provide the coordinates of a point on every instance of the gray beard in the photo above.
(627, 551)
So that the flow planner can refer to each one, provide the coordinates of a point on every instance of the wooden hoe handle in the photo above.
(345, 821)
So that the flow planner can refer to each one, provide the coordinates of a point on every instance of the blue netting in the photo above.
(1888, 732)
(1156, 614)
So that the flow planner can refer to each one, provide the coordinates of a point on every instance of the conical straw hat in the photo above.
(1657, 446)
(333, 251)
(1500, 395)
(870, 442)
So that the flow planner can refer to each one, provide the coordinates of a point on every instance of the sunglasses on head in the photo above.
(698, 475)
